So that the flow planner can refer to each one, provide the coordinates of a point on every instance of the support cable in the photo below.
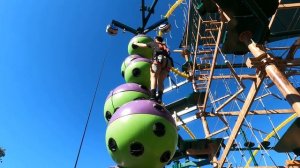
(90, 110)
(273, 127)
(238, 143)
(262, 147)
(265, 160)
(271, 134)
(246, 140)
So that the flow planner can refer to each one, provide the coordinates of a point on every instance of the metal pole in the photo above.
(275, 74)
(249, 100)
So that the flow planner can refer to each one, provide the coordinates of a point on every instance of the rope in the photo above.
(182, 74)
(170, 11)
(259, 141)
(245, 138)
(90, 111)
(271, 134)
(188, 131)
(174, 6)
(186, 128)
(228, 91)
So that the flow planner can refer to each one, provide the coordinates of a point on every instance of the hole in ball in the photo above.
(108, 115)
(136, 149)
(159, 129)
(136, 72)
(112, 145)
(122, 73)
(165, 157)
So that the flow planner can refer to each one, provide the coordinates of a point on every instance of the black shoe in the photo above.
(153, 94)
(153, 99)
(159, 97)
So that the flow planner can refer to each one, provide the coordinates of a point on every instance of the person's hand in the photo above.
(185, 51)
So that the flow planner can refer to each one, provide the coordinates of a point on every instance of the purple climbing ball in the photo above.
(142, 107)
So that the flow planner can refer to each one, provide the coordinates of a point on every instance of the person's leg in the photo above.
(154, 75)
(161, 77)
(160, 81)
(160, 85)
(153, 82)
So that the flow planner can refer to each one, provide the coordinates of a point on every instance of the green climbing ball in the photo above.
(144, 52)
(127, 61)
(137, 145)
(140, 140)
(138, 71)
(121, 95)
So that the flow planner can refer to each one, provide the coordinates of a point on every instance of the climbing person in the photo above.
(160, 66)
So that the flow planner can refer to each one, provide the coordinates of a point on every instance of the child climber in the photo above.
(160, 67)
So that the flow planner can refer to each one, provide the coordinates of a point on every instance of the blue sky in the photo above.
(51, 53)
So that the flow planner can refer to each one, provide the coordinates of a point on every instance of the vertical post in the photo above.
(293, 49)
(212, 68)
(187, 24)
(275, 74)
(203, 118)
(151, 11)
(273, 17)
(285, 87)
(143, 8)
(248, 102)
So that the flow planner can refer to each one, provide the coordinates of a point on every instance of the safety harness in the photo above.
(163, 51)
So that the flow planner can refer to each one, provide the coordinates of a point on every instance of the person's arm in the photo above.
(142, 45)
(185, 53)
(167, 49)
(136, 45)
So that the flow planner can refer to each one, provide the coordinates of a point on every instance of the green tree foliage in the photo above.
(2, 153)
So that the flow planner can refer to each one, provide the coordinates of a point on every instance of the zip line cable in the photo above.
(91, 109)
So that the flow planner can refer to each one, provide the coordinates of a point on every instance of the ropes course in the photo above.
(271, 134)
(242, 79)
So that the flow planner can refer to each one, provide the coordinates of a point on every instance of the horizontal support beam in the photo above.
(292, 163)
(242, 77)
(228, 77)
(289, 6)
(233, 113)
(170, 88)
(124, 27)
(252, 112)
(289, 63)
(277, 48)
(185, 111)
(265, 167)
(186, 120)
(216, 132)
(255, 148)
